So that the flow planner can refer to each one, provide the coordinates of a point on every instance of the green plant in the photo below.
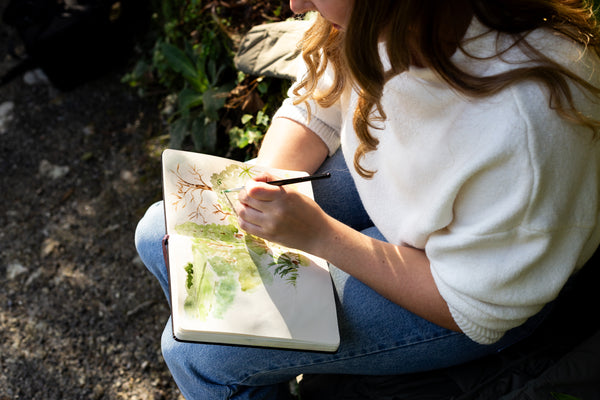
(193, 60)
(203, 95)
(261, 98)
(190, 65)
(252, 131)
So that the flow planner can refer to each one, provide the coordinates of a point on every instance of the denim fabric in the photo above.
(377, 337)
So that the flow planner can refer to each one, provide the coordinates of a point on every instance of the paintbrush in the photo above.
(286, 181)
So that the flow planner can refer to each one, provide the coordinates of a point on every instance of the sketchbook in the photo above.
(230, 287)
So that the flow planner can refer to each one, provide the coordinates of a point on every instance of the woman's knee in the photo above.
(148, 240)
(150, 229)
(152, 223)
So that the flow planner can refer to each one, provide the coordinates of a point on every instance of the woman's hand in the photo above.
(280, 214)
(401, 274)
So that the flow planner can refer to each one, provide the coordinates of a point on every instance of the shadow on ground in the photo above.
(80, 317)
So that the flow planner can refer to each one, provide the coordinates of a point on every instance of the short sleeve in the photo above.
(324, 122)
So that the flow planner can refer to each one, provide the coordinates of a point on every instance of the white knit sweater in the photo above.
(501, 193)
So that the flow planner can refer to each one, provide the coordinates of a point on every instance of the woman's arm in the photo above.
(290, 145)
(399, 273)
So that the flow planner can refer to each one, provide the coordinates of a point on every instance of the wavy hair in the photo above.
(425, 32)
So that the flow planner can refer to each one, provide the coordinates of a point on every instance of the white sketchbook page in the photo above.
(270, 310)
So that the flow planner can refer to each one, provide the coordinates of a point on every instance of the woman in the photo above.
(469, 130)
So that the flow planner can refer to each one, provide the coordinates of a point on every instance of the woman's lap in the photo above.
(377, 336)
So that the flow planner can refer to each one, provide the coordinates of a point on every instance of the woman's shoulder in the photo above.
(486, 52)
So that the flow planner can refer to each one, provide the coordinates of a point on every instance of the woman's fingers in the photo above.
(255, 207)
(264, 207)
(279, 214)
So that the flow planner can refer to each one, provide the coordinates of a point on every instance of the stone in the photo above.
(6, 115)
(14, 270)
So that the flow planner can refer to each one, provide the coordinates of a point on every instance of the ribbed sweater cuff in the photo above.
(329, 135)
(475, 332)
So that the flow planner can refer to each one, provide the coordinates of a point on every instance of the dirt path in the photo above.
(80, 317)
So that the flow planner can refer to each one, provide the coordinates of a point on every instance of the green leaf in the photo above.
(135, 77)
(197, 132)
(204, 134)
(235, 137)
(263, 87)
(181, 63)
(178, 132)
(210, 136)
(252, 136)
(213, 102)
(262, 118)
(215, 74)
(247, 118)
(189, 98)
(178, 60)
(211, 71)
(214, 99)
(255, 135)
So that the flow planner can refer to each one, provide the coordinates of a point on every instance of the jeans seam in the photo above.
(396, 346)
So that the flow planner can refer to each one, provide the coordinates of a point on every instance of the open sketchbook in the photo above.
(230, 287)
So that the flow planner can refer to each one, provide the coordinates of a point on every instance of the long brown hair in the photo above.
(420, 32)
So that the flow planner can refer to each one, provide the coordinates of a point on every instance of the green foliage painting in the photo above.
(226, 261)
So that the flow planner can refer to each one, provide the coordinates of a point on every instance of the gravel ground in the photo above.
(80, 317)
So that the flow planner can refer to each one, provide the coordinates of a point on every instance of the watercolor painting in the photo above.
(225, 260)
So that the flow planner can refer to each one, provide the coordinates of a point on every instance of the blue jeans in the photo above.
(378, 337)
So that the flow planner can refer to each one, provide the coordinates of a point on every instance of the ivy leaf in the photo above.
(262, 118)
(247, 118)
